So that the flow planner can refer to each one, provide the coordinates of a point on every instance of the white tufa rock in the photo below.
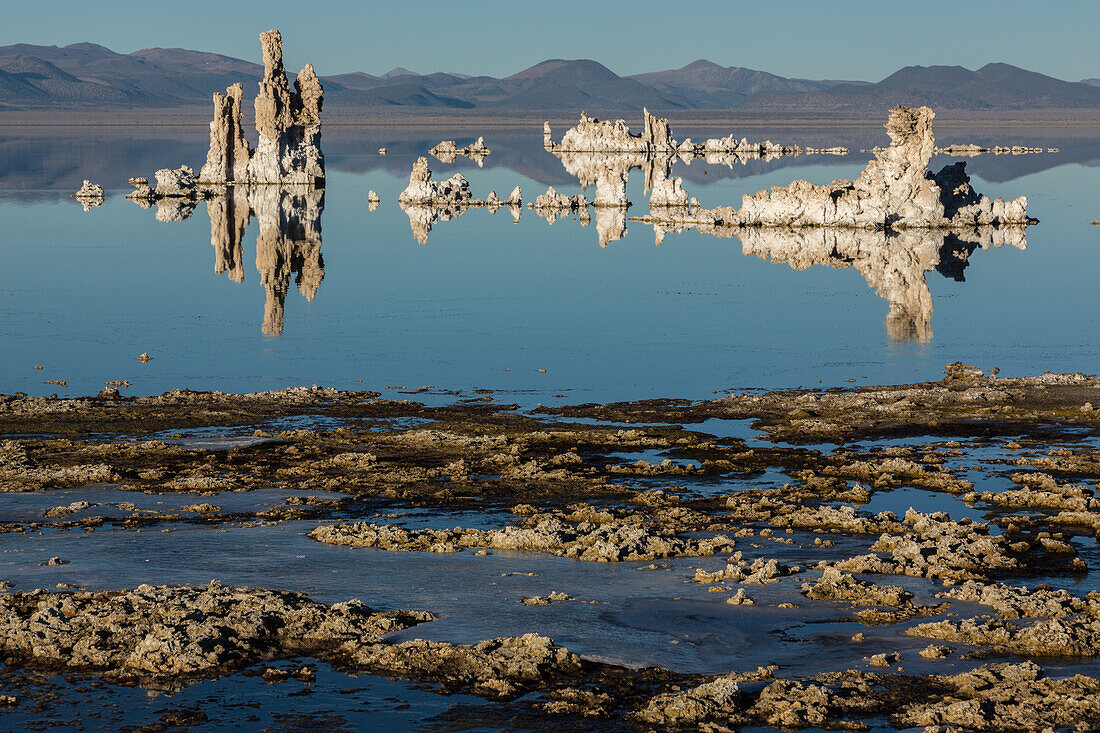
(895, 190)
(590, 135)
(89, 190)
(447, 151)
(90, 195)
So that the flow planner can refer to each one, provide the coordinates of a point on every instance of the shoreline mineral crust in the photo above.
(170, 632)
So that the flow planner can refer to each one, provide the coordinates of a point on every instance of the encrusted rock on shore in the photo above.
(170, 632)
(598, 542)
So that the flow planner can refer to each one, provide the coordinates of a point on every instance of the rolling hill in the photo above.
(90, 75)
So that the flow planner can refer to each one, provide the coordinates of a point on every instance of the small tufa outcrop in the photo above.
(422, 190)
(427, 201)
(554, 203)
(142, 190)
(89, 190)
(288, 122)
(90, 195)
(447, 151)
(455, 191)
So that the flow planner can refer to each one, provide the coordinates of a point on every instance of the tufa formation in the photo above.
(288, 122)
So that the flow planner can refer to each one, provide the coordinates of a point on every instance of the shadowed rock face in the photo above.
(288, 122)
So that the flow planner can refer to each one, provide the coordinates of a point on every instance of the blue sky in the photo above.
(843, 39)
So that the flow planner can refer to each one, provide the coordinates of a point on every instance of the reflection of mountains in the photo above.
(289, 242)
(60, 158)
(893, 262)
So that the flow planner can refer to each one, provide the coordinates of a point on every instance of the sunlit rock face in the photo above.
(176, 183)
(288, 122)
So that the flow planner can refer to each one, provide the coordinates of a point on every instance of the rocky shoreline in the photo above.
(998, 603)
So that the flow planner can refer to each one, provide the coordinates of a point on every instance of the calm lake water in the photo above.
(488, 302)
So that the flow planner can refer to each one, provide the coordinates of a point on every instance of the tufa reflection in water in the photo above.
(892, 262)
(288, 245)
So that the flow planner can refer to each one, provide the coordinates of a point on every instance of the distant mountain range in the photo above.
(85, 74)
